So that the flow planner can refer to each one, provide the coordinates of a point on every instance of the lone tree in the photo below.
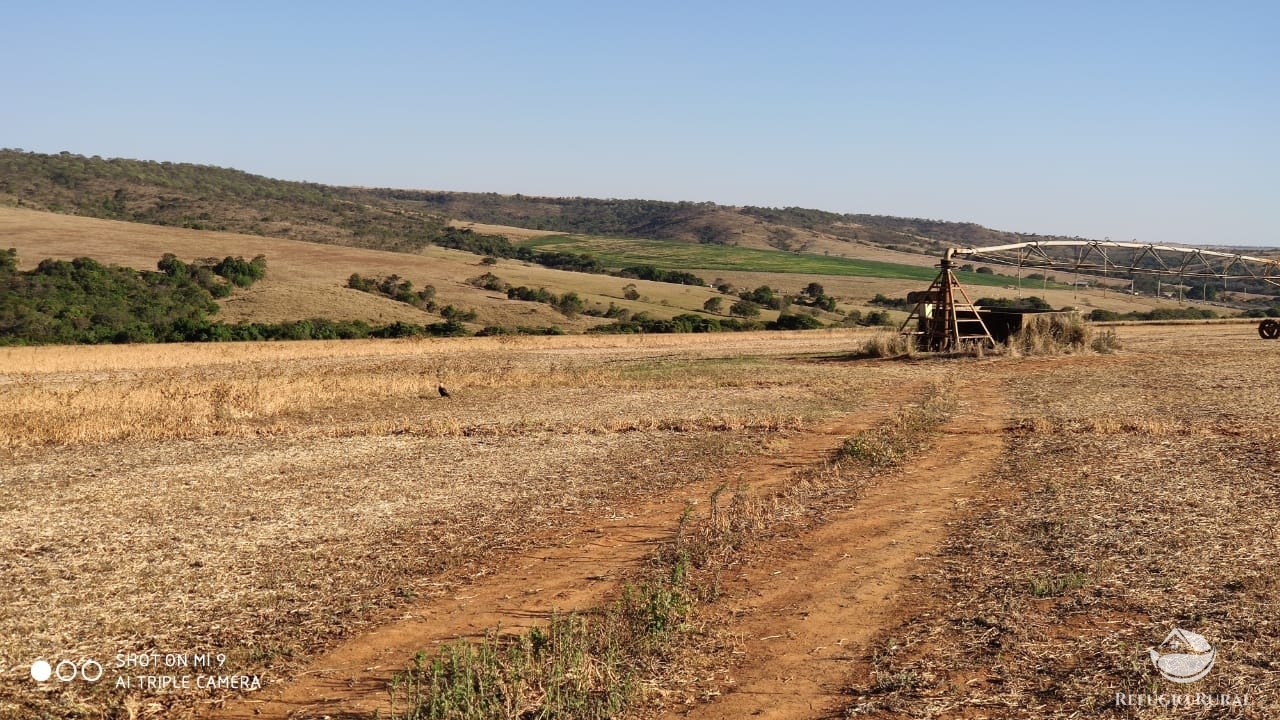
(745, 309)
(713, 305)
(813, 291)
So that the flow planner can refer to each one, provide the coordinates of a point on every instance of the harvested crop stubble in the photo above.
(1125, 508)
(268, 536)
(293, 543)
(378, 395)
(1054, 618)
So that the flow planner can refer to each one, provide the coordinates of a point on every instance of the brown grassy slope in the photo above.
(306, 279)
(510, 232)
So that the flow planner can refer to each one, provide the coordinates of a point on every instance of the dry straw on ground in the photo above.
(1135, 497)
(265, 507)
(329, 489)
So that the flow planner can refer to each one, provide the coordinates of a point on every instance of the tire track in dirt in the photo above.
(808, 610)
(572, 570)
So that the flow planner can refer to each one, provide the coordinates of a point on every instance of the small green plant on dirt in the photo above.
(890, 444)
(1106, 342)
(1054, 587)
(269, 655)
(889, 682)
(579, 666)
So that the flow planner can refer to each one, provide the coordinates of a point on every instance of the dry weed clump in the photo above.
(1047, 334)
(1102, 425)
(1106, 342)
(886, 345)
(577, 666)
(1050, 334)
(888, 445)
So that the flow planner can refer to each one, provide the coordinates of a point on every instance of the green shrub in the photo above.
(1032, 302)
(795, 322)
(83, 301)
(489, 281)
(651, 272)
(395, 288)
(570, 304)
(457, 314)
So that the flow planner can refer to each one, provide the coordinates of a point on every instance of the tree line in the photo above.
(82, 301)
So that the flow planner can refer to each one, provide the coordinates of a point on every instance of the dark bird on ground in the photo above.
(443, 392)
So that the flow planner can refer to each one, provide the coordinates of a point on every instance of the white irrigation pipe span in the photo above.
(1097, 256)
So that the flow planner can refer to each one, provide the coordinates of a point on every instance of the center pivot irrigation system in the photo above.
(945, 318)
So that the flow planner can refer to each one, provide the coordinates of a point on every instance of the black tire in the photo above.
(1269, 329)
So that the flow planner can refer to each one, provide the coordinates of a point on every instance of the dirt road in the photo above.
(810, 608)
(804, 610)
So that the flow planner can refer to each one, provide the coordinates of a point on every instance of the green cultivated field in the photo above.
(679, 255)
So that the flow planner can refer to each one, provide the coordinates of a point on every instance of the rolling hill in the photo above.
(131, 212)
(213, 198)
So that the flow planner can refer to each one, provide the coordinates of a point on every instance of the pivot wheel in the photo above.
(1269, 329)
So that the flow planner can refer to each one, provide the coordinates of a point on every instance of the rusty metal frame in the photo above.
(937, 329)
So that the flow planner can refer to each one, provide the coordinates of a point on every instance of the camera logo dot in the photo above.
(66, 670)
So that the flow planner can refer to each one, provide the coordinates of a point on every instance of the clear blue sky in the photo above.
(1150, 120)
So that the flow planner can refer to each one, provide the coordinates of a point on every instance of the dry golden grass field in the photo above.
(306, 280)
(315, 511)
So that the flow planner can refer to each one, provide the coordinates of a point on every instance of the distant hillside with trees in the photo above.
(203, 197)
(207, 197)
